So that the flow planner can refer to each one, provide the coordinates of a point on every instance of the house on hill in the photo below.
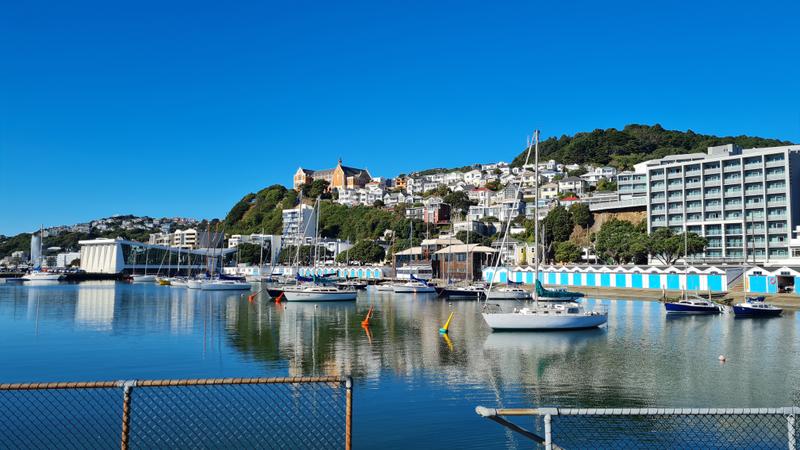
(340, 177)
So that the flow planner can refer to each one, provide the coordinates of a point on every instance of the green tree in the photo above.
(621, 242)
(458, 201)
(668, 247)
(634, 144)
(317, 188)
(378, 204)
(581, 215)
(363, 251)
(440, 191)
(576, 173)
(568, 251)
(606, 185)
(471, 237)
(493, 185)
(557, 227)
(251, 253)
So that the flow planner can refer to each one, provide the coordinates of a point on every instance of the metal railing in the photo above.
(623, 428)
(290, 412)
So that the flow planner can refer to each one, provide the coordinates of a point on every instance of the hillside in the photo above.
(261, 211)
(634, 144)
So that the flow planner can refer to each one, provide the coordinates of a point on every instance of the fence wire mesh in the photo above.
(231, 413)
(763, 428)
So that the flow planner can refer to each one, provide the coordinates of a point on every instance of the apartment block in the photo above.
(739, 199)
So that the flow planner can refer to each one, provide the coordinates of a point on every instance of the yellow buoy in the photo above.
(446, 326)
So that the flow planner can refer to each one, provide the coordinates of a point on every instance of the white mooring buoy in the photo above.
(722, 358)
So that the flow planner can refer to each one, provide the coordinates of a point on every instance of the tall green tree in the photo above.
(581, 215)
(567, 252)
(556, 227)
(458, 201)
(621, 242)
(668, 247)
(363, 251)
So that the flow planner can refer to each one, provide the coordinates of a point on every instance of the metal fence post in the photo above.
(127, 388)
(791, 432)
(348, 414)
(548, 433)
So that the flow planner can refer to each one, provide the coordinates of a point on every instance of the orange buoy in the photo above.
(365, 322)
(278, 298)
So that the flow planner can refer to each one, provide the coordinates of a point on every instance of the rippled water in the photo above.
(411, 383)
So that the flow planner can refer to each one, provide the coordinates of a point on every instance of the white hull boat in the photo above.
(413, 288)
(143, 278)
(387, 287)
(225, 285)
(318, 294)
(42, 276)
(177, 282)
(546, 317)
(195, 284)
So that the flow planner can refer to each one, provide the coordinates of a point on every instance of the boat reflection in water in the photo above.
(553, 342)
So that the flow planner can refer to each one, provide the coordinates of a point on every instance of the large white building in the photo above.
(739, 200)
(299, 222)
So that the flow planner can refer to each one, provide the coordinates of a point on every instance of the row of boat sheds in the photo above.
(757, 280)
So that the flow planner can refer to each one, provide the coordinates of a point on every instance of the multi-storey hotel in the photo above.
(738, 199)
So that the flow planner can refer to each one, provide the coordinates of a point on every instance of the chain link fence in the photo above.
(732, 428)
(309, 412)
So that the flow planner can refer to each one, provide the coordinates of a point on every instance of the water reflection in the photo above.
(642, 358)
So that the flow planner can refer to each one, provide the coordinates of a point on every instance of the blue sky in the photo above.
(181, 108)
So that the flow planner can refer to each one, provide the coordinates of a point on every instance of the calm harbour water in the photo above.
(411, 384)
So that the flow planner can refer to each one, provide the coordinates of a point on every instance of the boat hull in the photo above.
(194, 284)
(679, 308)
(303, 296)
(540, 322)
(42, 277)
(213, 286)
(743, 311)
(515, 295)
(457, 294)
(143, 278)
(414, 290)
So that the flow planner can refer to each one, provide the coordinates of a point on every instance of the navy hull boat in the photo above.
(692, 305)
(755, 307)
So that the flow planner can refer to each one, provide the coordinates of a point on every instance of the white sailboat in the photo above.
(37, 274)
(144, 278)
(562, 316)
(315, 293)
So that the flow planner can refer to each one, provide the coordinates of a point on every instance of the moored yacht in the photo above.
(414, 286)
(469, 292)
(756, 308)
(225, 285)
(316, 293)
(557, 316)
(143, 278)
(509, 293)
(692, 305)
(541, 316)
(385, 287)
(37, 275)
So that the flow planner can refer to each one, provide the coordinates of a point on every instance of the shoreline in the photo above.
(783, 300)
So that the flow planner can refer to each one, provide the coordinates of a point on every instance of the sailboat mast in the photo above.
(536, 215)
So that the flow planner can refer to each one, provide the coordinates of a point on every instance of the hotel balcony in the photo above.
(753, 165)
(656, 176)
(776, 163)
(772, 203)
(776, 176)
